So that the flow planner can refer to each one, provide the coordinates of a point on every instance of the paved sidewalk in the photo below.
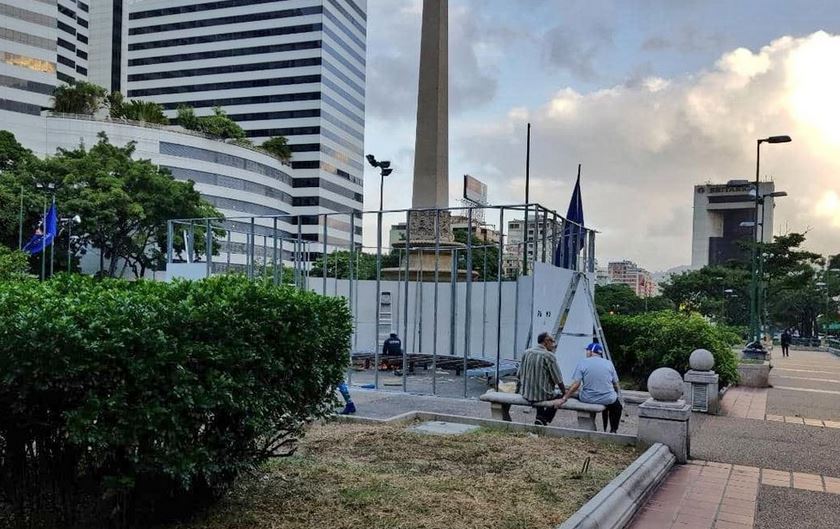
(780, 445)
(703, 495)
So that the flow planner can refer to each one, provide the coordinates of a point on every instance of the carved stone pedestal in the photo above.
(422, 259)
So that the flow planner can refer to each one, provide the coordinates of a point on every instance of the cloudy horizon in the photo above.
(651, 99)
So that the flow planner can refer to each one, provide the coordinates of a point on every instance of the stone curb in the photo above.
(550, 431)
(617, 503)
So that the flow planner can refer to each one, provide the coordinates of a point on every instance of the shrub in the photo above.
(130, 400)
(14, 264)
(639, 344)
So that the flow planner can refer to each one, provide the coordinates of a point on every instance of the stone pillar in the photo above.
(431, 144)
(701, 383)
(664, 418)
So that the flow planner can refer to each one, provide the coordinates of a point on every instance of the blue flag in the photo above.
(572, 240)
(44, 234)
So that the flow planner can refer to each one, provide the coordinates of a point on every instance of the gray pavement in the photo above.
(803, 404)
(766, 444)
(780, 508)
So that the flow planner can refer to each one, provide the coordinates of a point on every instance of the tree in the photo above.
(218, 124)
(480, 250)
(364, 265)
(79, 97)
(13, 264)
(618, 298)
(279, 147)
(136, 110)
(717, 292)
(125, 203)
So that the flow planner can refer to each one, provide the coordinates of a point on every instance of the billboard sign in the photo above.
(475, 190)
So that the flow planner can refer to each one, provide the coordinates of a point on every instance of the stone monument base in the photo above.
(422, 258)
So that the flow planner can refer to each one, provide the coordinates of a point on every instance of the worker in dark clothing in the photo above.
(392, 345)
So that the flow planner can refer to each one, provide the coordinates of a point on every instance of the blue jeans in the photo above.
(345, 393)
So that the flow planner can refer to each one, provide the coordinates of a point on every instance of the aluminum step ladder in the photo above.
(384, 327)
(566, 307)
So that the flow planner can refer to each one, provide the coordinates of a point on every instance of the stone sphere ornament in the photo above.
(701, 360)
(665, 385)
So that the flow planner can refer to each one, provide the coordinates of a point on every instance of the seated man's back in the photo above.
(598, 379)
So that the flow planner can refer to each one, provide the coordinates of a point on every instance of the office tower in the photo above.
(42, 43)
(293, 68)
(723, 220)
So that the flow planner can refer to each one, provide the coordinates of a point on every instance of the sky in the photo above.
(650, 96)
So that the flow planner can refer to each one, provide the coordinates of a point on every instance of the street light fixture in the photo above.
(754, 289)
(384, 170)
(69, 221)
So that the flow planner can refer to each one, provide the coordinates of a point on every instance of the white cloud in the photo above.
(644, 146)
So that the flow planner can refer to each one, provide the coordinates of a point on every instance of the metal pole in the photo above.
(251, 250)
(274, 252)
(544, 232)
(299, 255)
(527, 199)
(453, 302)
(418, 289)
(468, 299)
(170, 240)
(516, 318)
(499, 298)
(20, 223)
(435, 320)
(52, 244)
(227, 267)
(69, 241)
(324, 258)
(378, 298)
(44, 242)
(264, 273)
(208, 248)
(484, 305)
(554, 239)
(754, 277)
(351, 270)
(405, 301)
(381, 188)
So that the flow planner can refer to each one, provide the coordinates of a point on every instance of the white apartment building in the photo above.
(634, 276)
(541, 236)
(293, 68)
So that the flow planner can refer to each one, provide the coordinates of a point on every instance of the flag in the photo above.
(43, 237)
(572, 239)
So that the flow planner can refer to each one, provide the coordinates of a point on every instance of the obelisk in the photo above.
(428, 258)
(431, 145)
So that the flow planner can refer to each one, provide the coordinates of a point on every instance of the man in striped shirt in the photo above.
(540, 378)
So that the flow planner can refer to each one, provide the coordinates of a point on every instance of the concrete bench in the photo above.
(500, 404)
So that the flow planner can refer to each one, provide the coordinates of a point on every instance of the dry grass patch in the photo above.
(372, 477)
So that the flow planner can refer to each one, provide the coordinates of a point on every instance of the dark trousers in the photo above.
(546, 415)
(613, 414)
(785, 350)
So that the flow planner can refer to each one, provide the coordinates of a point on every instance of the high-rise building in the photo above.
(42, 44)
(293, 68)
(724, 216)
(540, 237)
(632, 275)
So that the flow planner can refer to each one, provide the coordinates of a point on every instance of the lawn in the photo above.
(372, 477)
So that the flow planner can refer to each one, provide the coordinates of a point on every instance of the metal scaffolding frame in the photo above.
(242, 244)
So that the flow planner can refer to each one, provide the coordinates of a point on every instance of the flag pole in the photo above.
(52, 243)
(44, 242)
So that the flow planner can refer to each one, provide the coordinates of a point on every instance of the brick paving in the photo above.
(745, 403)
(703, 495)
(709, 495)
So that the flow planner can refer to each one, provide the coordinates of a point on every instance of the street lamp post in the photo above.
(69, 221)
(384, 170)
(754, 291)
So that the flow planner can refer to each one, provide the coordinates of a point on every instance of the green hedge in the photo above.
(123, 401)
(639, 344)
